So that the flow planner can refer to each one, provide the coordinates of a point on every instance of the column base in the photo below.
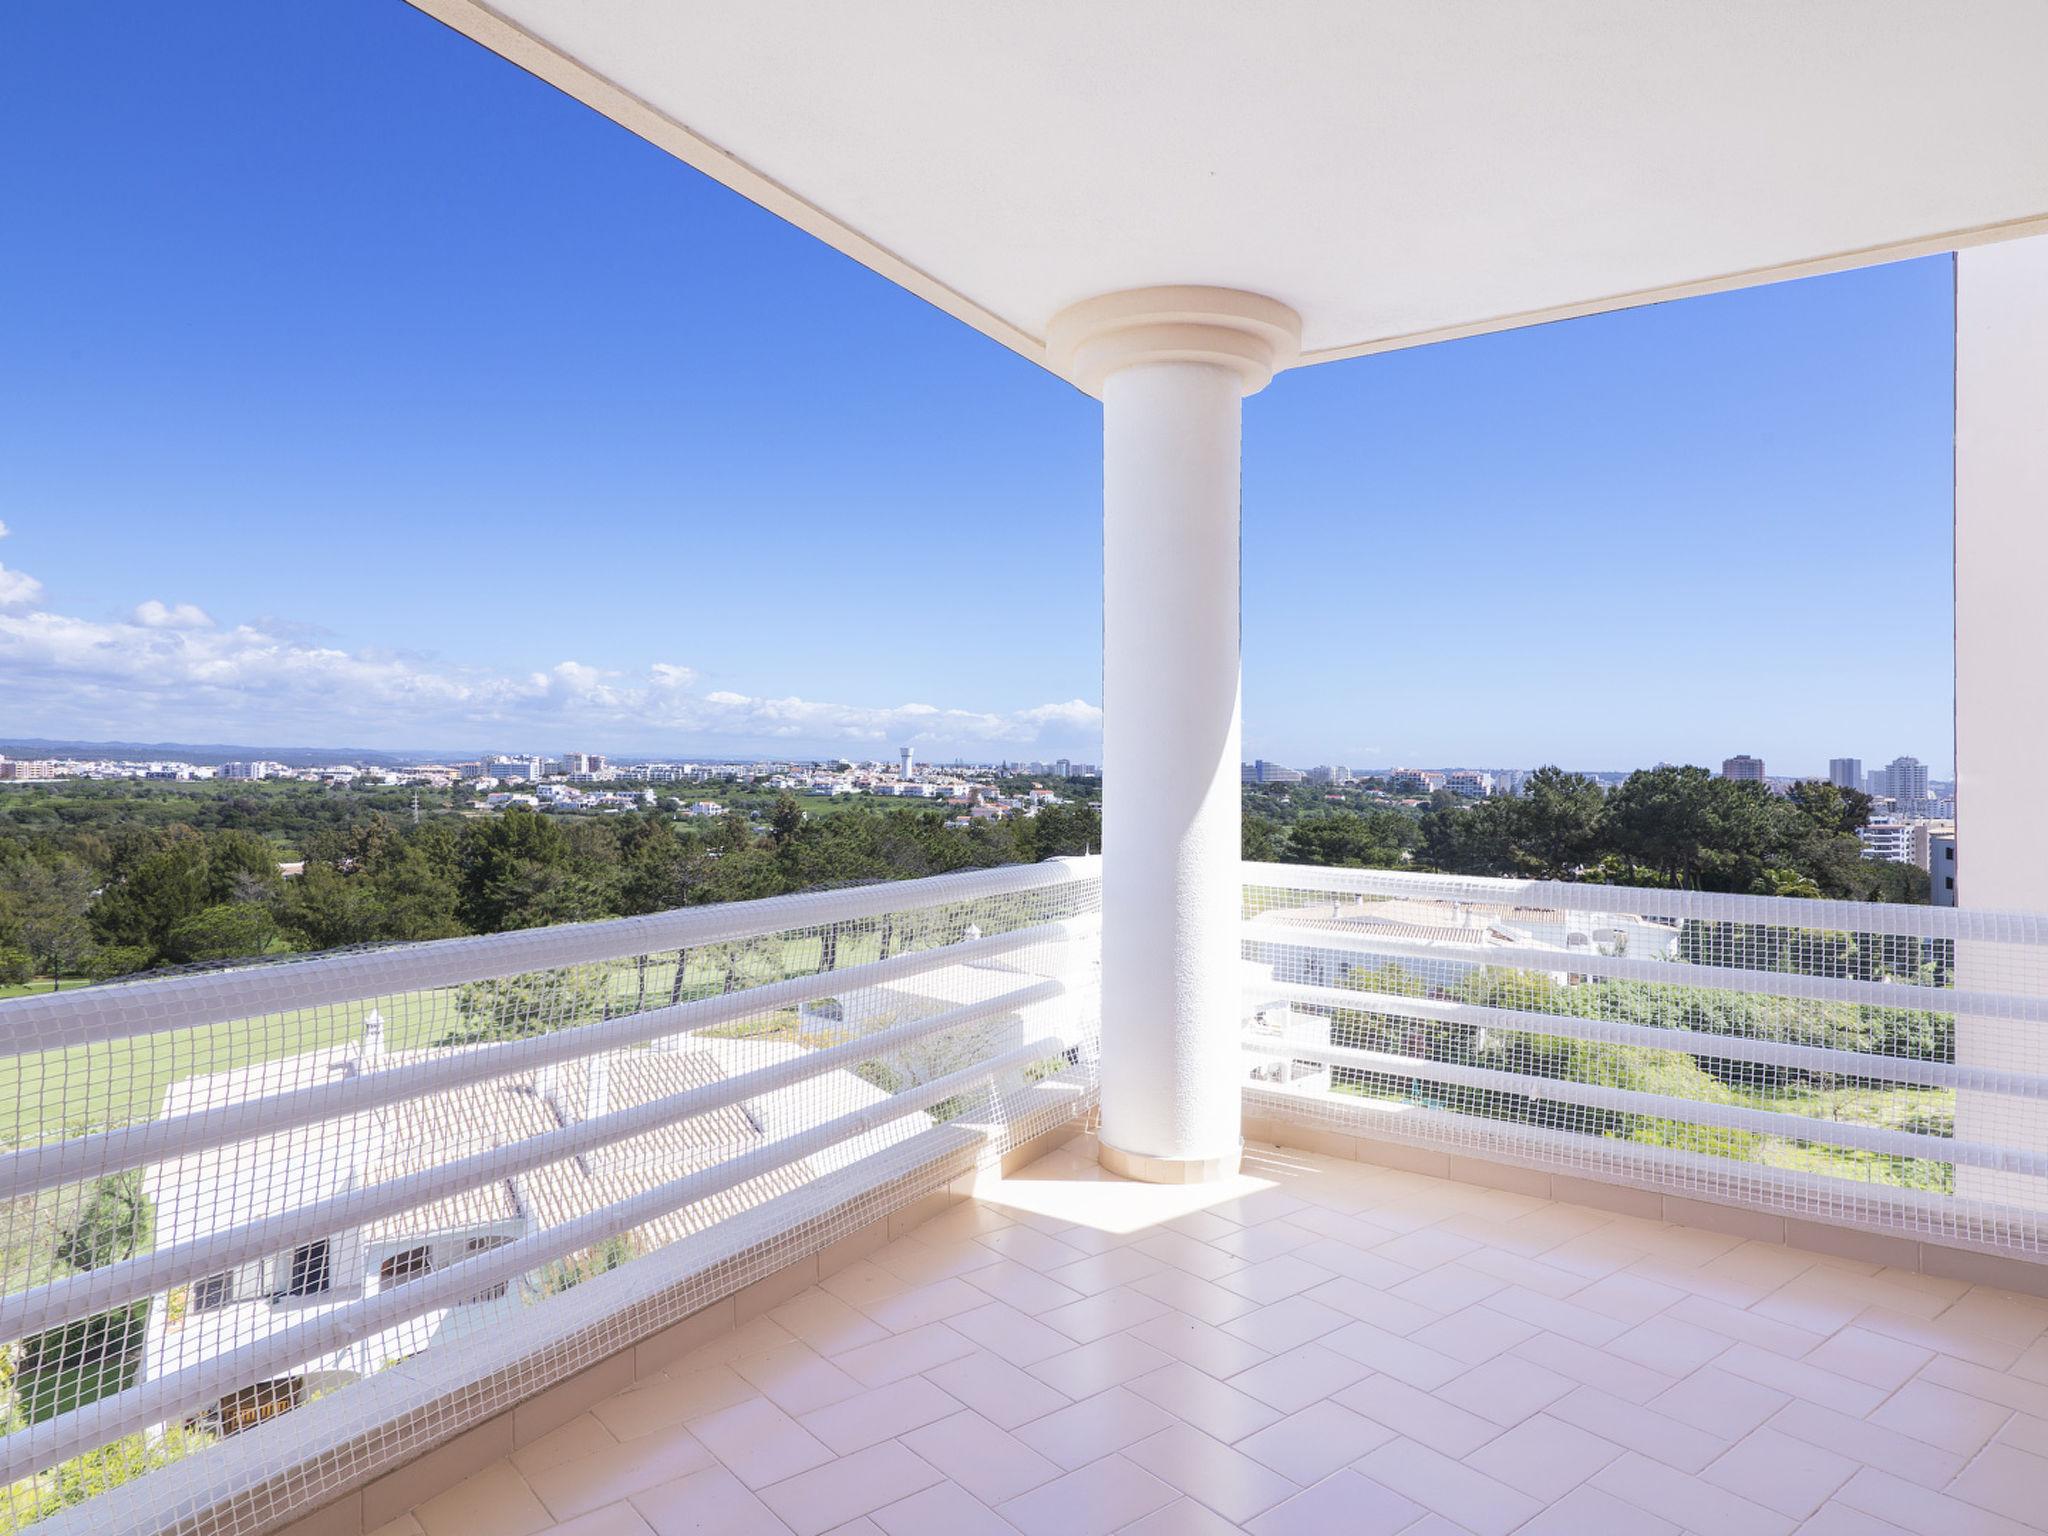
(1168, 1170)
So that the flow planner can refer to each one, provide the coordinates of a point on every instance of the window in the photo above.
(214, 1291)
(310, 1270)
(411, 1264)
(477, 1245)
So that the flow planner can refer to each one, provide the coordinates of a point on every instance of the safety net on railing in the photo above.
(1884, 1066)
(340, 1207)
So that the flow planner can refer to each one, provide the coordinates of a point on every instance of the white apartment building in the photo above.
(1845, 772)
(1887, 842)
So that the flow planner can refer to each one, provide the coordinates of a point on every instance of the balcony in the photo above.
(1563, 1208)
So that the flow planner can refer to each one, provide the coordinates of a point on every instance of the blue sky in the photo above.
(357, 389)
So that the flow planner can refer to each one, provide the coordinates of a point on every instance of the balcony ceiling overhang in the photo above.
(1396, 171)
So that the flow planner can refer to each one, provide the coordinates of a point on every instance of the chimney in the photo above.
(597, 1094)
(373, 1040)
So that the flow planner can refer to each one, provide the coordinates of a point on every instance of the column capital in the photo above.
(1254, 335)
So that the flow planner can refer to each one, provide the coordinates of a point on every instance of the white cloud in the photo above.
(18, 589)
(171, 671)
(3, 530)
(156, 615)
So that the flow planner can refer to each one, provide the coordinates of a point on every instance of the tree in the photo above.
(47, 899)
(506, 862)
(1556, 823)
(116, 1222)
(228, 930)
(1371, 840)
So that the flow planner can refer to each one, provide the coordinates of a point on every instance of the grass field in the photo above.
(51, 1094)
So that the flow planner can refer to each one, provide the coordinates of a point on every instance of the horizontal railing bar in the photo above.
(124, 1010)
(1565, 1151)
(1791, 912)
(80, 1296)
(62, 1436)
(1670, 973)
(1763, 1122)
(55, 1164)
(1695, 1042)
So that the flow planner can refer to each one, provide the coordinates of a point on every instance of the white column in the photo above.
(1172, 367)
(2001, 690)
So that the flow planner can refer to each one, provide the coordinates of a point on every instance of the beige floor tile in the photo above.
(1404, 1359)
(1212, 1406)
(1341, 1257)
(760, 1443)
(1702, 1507)
(1033, 1249)
(826, 1323)
(1871, 1358)
(2000, 1314)
(581, 1436)
(1923, 1511)
(669, 1401)
(1320, 1440)
(1205, 1261)
(1506, 1389)
(618, 1471)
(1225, 1480)
(813, 1502)
(2026, 1432)
(1002, 1330)
(1838, 1519)
(1188, 1293)
(908, 1354)
(1954, 1421)
(1195, 1342)
(1637, 1428)
(1794, 1477)
(1590, 1512)
(1421, 1416)
(1594, 1368)
(1347, 1503)
(1284, 1325)
(1799, 1379)
(612, 1520)
(988, 1462)
(796, 1378)
(920, 1263)
(1098, 1316)
(1105, 1271)
(997, 1390)
(1092, 1368)
(1871, 1444)
(1450, 1488)
(1370, 1304)
(1273, 1280)
(1082, 1432)
(1475, 1334)
(496, 1500)
(1183, 1517)
(712, 1500)
(1290, 1382)
(922, 1304)
(1669, 1345)
(1992, 1386)
(404, 1525)
(2006, 1480)
(1101, 1497)
(1747, 1327)
(1724, 1405)
(944, 1509)
(881, 1413)
(1020, 1286)
(1543, 1457)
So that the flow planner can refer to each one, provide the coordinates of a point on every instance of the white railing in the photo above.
(352, 1170)
(1883, 1066)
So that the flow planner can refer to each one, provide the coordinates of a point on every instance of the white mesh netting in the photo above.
(267, 1229)
(1881, 1066)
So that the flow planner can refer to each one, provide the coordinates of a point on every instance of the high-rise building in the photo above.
(1941, 868)
(909, 770)
(1904, 779)
(1845, 772)
(1743, 766)
(1263, 772)
(1888, 842)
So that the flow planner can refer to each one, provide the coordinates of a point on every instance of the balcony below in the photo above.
(1319, 1345)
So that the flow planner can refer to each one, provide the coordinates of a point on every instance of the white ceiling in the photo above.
(1395, 170)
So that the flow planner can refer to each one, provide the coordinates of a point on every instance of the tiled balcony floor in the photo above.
(1321, 1346)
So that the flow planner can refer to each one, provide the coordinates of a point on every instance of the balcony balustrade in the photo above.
(277, 1229)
